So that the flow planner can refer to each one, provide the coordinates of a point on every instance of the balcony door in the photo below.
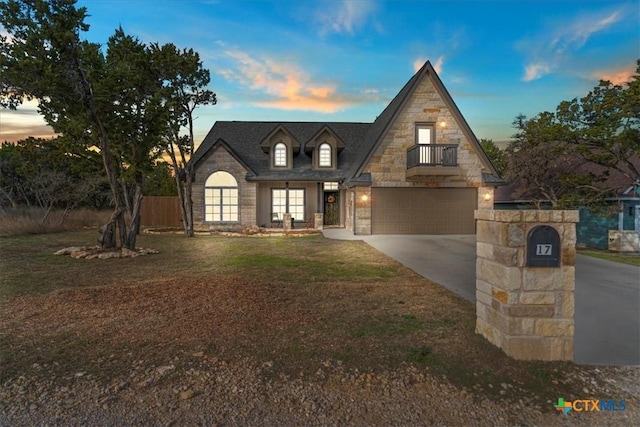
(424, 137)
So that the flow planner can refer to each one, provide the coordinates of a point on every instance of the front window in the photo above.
(280, 154)
(221, 198)
(325, 155)
(288, 200)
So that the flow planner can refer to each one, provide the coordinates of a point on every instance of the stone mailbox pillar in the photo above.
(525, 279)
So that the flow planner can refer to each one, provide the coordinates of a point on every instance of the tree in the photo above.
(547, 170)
(497, 156)
(46, 60)
(564, 158)
(118, 100)
(49, 174)
(605, 125)
(186, 81)
(160, 182)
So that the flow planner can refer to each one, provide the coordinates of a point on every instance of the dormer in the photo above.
(281, 147)
(323, 148)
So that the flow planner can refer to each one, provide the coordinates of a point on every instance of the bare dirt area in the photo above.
(256, 342)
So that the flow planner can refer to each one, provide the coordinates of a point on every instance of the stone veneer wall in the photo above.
(526, 311)
(220, 160)
(362, 204)
(388, 165)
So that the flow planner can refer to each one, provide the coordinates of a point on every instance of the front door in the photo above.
(331, 208)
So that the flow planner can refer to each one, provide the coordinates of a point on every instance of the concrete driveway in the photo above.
(607, 295)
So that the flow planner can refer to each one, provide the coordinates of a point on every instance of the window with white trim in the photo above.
(324, 155)
(221, 198)
(280, 154)
(288, 200)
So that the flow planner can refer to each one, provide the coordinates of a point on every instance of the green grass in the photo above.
(624, 258)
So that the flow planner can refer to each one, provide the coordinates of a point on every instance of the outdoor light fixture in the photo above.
(365, 197)
(487, 196)
(443, 124)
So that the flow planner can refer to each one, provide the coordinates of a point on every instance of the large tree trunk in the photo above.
(107, 239)
(134, 228)
(184, 192)
(188, 204)
(183, 211)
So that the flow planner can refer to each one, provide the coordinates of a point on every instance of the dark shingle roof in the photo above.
(245, 138)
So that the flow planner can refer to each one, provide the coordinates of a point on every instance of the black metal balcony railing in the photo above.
(432, 155)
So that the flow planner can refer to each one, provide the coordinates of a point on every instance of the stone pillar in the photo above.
(485, 197)
(526, 311)
(318, 221)
(286, 222)
(363, 210)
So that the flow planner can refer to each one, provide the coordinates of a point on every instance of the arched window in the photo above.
(280, 154)
(221, 198)
(324, 157)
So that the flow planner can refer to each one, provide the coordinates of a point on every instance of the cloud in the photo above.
(551, 50)
(284, 85)
(344, 16)
(535, 71)
(418, 63)
(576, 34)
(617, 77)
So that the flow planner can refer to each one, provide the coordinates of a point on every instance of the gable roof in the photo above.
(386, 119)
(266, 142)
(313, 141)
(360, 140)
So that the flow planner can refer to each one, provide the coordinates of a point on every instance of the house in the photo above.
(614, 227)
(418, 169)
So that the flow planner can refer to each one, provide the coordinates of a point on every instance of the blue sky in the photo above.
(344, 60)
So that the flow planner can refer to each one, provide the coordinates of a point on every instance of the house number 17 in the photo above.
(543, 249)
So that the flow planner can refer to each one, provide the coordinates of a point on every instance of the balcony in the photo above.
(432, 160)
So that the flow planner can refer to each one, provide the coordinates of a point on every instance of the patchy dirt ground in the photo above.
(229, 350)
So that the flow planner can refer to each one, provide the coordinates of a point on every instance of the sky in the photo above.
(344, 60)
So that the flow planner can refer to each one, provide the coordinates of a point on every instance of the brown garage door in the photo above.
(423, 210)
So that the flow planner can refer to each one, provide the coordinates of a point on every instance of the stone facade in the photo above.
(219, 159)
(388, 165)
(526, 311)
(362, 204)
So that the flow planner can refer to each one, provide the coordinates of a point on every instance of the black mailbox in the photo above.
(543, 247)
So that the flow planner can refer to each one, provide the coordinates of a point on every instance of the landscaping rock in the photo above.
(95, 252)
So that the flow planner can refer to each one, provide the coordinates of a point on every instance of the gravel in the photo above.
(209, 391)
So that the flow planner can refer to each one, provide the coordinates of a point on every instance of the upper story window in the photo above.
(324, 158)
(280, 154)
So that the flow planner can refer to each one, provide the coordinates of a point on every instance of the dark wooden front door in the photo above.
(331, 208)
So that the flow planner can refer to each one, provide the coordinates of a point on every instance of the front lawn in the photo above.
(289, 304)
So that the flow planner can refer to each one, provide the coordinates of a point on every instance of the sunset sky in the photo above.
(344, 60)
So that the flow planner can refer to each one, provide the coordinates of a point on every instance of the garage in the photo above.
(423, 210)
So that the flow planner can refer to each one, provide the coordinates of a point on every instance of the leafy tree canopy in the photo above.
(564, 158)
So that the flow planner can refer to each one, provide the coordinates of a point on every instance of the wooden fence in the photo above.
(160, 211)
